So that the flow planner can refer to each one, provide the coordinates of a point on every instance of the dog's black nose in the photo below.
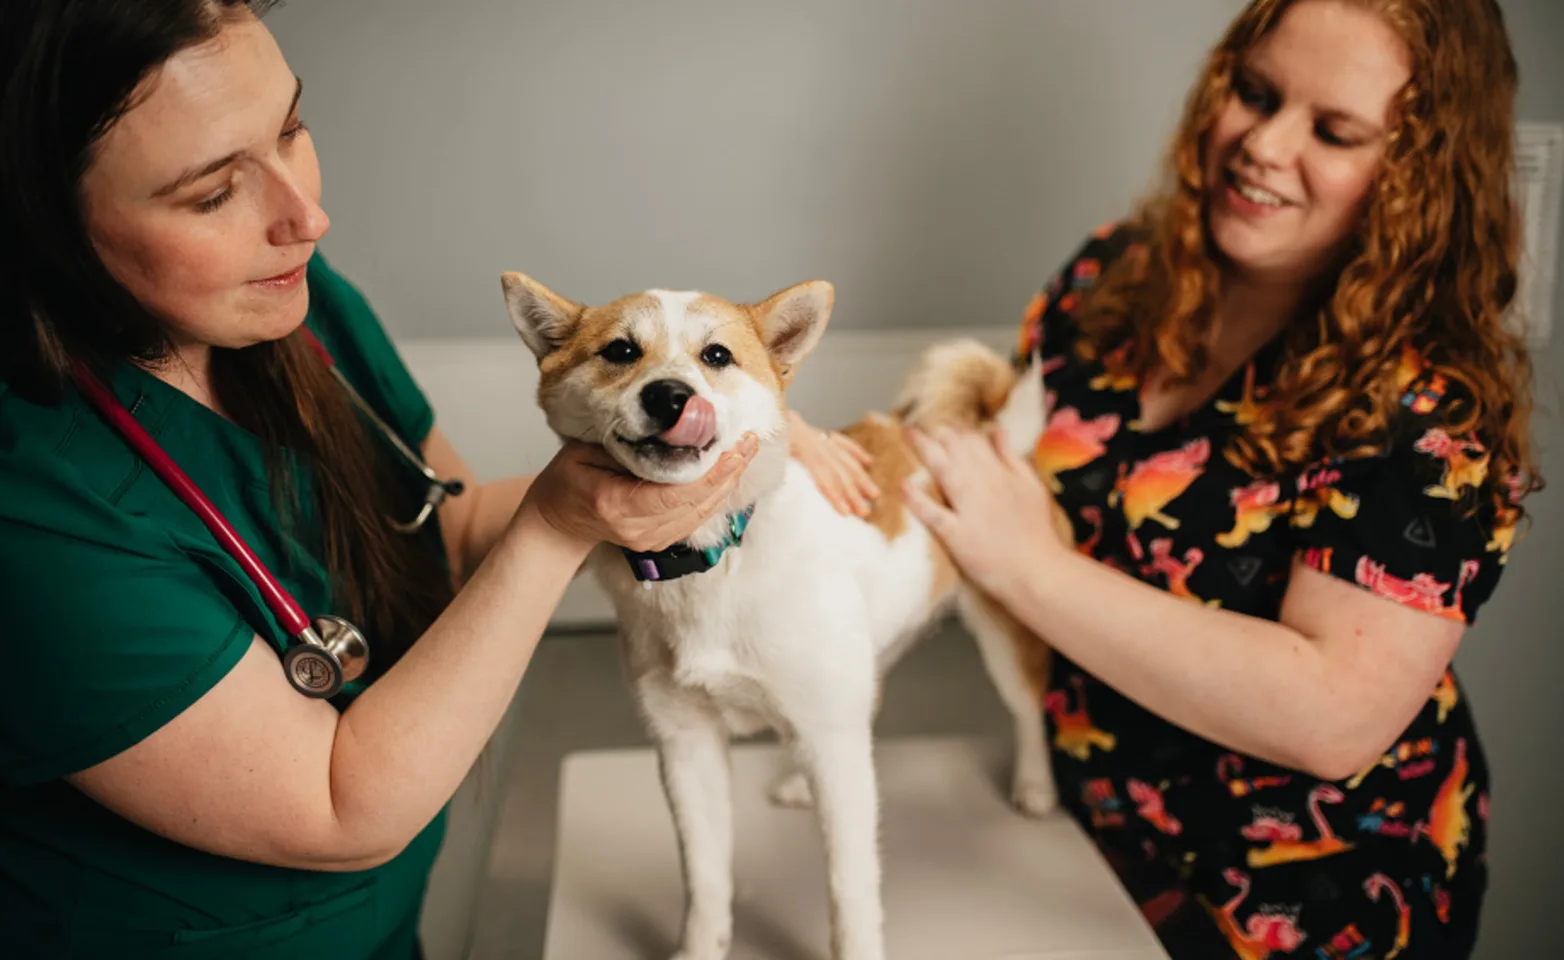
(664, 400)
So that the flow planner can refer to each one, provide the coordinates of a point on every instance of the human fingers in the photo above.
(852, 446)
(853, 462)
(678, 511)
(939, 519)
(833, 483)
(854, 498)
(930, 449)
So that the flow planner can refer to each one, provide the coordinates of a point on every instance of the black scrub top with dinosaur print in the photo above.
(1229, 855)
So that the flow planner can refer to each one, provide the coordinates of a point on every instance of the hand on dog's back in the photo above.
(585, 494)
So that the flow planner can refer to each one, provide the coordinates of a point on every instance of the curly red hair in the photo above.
(1430, 274)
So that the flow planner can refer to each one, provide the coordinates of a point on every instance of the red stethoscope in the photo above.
(329, 651)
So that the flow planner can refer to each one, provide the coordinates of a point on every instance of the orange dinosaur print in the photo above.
(1318, 557)
(1075, 734)
(1290, 851)
(1425, 398)
(1158, 481)
(1317, 491)
(1229, 765)
(1379, 883)
(1409, 367)
(1270, 826)
(1246, 410)
(1466, 463)
(1267, 931)
(1149, 804)
(1032, 324)
(1446, 695)
(1504, 525)
(1070, 442)
(1409, 758)
(1503, 540)
(1448, 826)
(1308, 506)
(1116, 375)
(1422, 592)
(1254, 507)
(1177, 572)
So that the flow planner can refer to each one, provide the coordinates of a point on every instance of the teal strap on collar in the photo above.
(681, 559)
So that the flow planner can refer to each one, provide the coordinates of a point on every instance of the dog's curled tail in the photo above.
(965, 385)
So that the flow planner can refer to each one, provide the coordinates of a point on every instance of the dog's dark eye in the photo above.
(716, 355)
(621, 351)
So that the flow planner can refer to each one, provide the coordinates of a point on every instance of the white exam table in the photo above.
(965, 876)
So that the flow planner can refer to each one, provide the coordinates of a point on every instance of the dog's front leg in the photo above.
(840, 766)
(692, 751)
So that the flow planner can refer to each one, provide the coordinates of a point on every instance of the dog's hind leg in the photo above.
(1018, 664)
(793, 790)
(692, 752)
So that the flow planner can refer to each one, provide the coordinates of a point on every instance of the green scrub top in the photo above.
(120, 610)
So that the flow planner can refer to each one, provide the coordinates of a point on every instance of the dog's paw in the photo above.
(1035, 797)
(793, 791)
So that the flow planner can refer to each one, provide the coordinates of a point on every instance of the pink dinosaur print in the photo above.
(1149, 804)
(1270, 826)
(1466, 462)
(1380, 883)
(1422, 592)
(1177, 572)
(1293, 850)
(1267, 931)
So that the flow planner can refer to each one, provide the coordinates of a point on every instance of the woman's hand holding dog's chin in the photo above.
(999, 524)
(585, 495)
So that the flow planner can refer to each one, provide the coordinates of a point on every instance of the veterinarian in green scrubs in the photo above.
(165, 790)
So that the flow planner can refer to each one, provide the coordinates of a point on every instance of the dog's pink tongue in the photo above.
(696, 426)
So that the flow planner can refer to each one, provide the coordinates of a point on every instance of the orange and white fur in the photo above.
(794, 629)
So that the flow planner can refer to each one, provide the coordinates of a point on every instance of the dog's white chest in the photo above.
(711, 669)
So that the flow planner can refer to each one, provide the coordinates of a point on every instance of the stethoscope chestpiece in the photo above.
(329, 654)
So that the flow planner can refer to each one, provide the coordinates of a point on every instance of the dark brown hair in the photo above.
(1431, 271)
(71, 69)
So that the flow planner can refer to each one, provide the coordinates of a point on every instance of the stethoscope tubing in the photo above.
(286, 609)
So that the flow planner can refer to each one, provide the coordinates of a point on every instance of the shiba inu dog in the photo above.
(780, 613)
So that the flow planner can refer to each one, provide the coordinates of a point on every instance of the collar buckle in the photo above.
(681, 559)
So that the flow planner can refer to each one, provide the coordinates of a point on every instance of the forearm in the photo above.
(1253, 685)
(404, 746)
(494, 505)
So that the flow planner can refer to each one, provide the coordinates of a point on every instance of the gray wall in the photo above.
(934, 159)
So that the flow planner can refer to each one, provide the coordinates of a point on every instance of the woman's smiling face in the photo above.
(203, 200)
(1294, 151)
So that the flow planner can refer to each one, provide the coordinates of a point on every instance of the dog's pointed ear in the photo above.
(542, 317)
(792, 321)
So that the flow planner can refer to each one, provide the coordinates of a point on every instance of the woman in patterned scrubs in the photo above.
(1289, 427)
